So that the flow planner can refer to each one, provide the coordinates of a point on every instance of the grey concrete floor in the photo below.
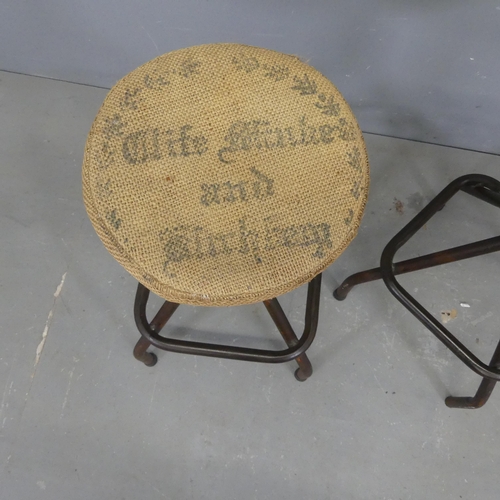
(80, 418)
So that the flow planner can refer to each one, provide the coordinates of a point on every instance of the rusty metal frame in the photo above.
(480, 186)
(150, 334)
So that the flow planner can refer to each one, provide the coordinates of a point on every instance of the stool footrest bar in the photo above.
(296, 347)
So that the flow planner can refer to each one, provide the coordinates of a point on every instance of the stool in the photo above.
(223, 175)
(482, 187)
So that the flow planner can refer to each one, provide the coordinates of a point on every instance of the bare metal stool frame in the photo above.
(480, 186)
(297, 348)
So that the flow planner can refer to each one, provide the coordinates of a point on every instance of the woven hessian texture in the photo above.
(225, 174)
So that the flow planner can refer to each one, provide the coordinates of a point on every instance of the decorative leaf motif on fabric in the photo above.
(106, 158)
(328, 105)
(305, 86)
(113, 126)
(130, 99)
(188, 68)
(247, 64)
(348, 220)
(104, 190)
(113, 219)
(356, 189)
(276, 72)
(156, 82)
(354, 159)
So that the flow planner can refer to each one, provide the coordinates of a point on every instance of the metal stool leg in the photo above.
(304, 371)
(455, 254)
(483, 393)
(159, 321)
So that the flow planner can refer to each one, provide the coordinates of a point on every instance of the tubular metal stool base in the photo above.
(296, 347)
(485, 188)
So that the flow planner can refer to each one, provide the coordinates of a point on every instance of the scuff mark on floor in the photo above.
(481, 318)
(59, 288)
(6, 393)
(45, 332)
(70, 379)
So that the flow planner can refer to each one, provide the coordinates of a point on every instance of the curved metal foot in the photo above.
(340, 293)
(152, 359)
(141, 354)
(302, 375)
(465, 402)
(477, 401)
(483, 393)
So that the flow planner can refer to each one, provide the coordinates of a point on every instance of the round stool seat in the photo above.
(225, 174)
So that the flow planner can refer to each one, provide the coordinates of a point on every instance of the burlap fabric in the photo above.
(225, 174)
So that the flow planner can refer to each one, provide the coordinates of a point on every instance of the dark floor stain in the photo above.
(398, 205)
